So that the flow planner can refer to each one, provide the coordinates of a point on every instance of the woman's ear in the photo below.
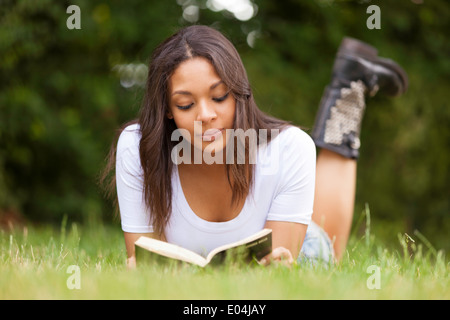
(169, 115)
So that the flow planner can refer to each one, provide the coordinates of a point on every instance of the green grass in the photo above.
(34, 262)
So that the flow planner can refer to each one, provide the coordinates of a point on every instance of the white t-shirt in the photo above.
(283, 191)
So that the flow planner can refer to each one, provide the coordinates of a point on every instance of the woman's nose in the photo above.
(206, 112)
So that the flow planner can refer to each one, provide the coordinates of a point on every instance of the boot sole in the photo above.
(356, 48)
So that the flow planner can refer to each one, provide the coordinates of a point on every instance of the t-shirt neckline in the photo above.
(200, 223)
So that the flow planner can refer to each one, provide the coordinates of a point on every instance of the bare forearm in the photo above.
(130, 239)
(287, 239)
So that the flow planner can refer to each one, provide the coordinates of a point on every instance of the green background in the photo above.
(63, 94)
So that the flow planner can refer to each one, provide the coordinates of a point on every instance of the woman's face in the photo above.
(201, 103)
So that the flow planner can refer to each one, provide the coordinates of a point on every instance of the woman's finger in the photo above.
(278, 255)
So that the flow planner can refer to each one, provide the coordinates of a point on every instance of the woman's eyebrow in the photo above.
(213, 86)
(181, 92)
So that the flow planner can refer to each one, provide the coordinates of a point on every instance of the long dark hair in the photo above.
(156, 128)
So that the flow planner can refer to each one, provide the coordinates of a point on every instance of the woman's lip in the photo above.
(211, 134)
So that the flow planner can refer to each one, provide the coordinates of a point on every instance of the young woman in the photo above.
(198, 92)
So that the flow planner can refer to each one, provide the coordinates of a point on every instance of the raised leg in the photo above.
(358, 72)
(335, 197)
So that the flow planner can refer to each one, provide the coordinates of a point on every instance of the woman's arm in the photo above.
(130, 239)
(134, 216)
(287, 240)
(291, 209)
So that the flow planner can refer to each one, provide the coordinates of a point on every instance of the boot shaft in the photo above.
(338, 122)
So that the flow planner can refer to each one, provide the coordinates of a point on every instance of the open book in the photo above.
(255, 246)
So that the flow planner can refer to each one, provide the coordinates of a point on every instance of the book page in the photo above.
(249, 239)
(170, 250)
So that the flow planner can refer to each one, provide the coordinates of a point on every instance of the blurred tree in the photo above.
(60, 99)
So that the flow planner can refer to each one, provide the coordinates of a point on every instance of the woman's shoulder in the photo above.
(293, 136)
(290, 150)
(129, 138)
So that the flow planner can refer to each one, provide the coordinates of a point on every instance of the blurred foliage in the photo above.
(63, 95)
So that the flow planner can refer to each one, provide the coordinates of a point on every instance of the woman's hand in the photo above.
(279, 255)
(131, 263)
(287, 239)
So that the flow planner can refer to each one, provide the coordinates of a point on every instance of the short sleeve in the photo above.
(294, 198)
(135, 218)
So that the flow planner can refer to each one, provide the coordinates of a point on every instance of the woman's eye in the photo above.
(185, 107)
(221, 98)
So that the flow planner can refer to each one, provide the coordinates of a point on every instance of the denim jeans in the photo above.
(317, 246)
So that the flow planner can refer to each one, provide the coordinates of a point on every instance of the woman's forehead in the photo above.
(194, 72)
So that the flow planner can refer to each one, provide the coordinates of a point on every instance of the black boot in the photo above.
(357, 71)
